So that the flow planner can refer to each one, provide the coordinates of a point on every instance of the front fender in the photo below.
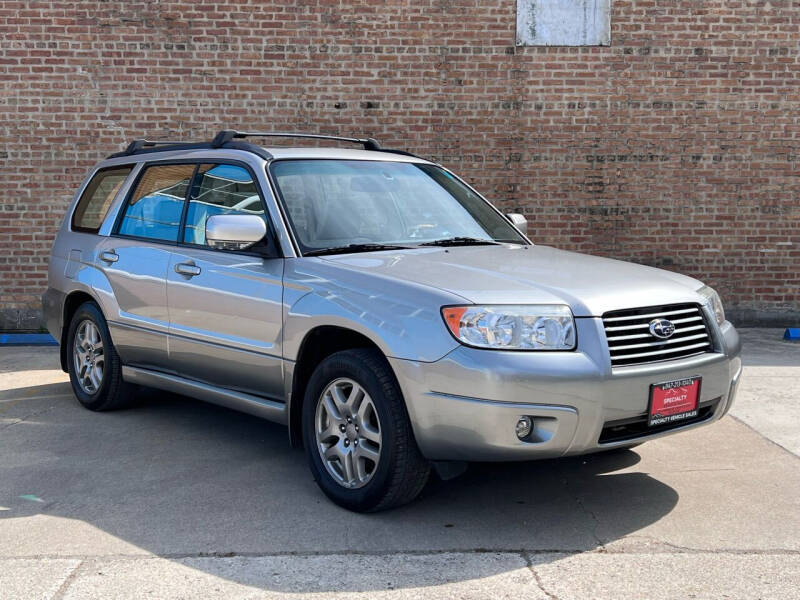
(404, 321)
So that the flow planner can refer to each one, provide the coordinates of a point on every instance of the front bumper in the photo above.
(466, 405)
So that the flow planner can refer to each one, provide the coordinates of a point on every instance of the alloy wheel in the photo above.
(88, 356)
(348, 433)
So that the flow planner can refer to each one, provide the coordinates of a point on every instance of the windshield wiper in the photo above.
(354, 248)
(460, 241)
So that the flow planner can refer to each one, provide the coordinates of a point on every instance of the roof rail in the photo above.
(227, 139)
(228, 135)
(140, 146)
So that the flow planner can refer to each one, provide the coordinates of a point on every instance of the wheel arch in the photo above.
(319, 343)
(72, 302)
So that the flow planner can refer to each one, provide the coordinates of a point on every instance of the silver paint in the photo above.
(234, 232)
(230, 329)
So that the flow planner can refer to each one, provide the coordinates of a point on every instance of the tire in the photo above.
(104, 392)
(400, 471)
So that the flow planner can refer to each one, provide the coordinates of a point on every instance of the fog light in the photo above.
(524, 426)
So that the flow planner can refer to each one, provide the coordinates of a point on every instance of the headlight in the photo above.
(505, 327)
(712, 299)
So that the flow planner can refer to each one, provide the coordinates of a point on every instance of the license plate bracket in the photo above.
(673, 401)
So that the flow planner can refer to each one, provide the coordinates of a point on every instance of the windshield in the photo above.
(337, 203)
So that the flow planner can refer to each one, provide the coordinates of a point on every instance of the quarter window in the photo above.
(97, 198)
(155, 207)
(219, 190)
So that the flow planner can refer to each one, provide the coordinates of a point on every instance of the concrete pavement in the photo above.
(177, 499)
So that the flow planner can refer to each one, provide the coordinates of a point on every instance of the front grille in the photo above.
(631, 343)
(630, 429)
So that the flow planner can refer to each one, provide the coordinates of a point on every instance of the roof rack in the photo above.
(228, 135)
(140, 146)
(227, 138)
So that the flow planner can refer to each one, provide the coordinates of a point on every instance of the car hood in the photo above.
(510, 274)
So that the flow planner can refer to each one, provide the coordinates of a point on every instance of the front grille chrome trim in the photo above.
(659, 352)
(638, 336)
(662, 343)
(654, 315)
(631, 343)
(641, 325)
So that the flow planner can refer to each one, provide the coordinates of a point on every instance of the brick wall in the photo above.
(677, 146)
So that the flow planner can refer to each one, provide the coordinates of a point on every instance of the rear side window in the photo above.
(97, 198)
(155, 207)
(220, 190)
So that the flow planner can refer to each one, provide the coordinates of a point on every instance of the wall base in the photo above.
(21, 319)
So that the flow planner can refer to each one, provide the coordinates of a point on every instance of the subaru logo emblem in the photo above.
(662, 328)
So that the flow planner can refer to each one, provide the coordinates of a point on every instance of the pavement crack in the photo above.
(378, 553)
(29, 416)
(591, 514)
(62, 589)
(529, 563)
(693, 550)
(41, 397)
(765, 437)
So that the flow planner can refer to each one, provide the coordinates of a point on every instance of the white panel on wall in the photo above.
(563, 22)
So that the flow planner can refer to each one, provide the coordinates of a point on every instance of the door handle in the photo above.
(109, 256)
(187, 269)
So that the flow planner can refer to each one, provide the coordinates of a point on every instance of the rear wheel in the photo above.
(94, 367)
(357, 435)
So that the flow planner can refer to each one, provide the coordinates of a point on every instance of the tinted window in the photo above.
(97, 198)
(333, 203)
(220, 190)
(155, 207)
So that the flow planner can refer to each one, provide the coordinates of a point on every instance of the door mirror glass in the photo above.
(234, 232)
(519, 221)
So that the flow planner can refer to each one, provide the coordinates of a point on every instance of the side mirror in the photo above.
(234, 232)
(519, 221)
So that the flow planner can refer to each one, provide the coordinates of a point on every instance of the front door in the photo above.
(225, 307)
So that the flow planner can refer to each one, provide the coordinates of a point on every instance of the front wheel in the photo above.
(357, 435)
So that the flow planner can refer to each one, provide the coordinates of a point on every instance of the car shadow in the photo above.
(179, 478)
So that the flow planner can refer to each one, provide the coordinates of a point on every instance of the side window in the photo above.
(97, 198)
(155, 207)
(219, 189)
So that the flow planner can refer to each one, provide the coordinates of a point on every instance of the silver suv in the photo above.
(378, 306)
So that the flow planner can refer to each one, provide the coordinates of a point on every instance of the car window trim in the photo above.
(97, 172)
(271, 230)
(121, 214)
(197, 162)
(186, 200)
(278, 195)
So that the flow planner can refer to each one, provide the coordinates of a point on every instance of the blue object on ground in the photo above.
(27, 339)
(792, 333)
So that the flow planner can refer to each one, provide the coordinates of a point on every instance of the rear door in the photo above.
(226, 307)
(135, 259)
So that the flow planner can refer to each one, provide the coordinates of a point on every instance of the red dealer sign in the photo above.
(673, 401)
